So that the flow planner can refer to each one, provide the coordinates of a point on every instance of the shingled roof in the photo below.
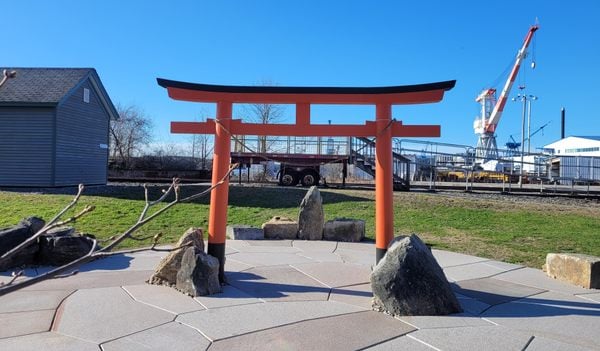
(40, 85)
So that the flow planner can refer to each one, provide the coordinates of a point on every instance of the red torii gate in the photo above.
(384, 128)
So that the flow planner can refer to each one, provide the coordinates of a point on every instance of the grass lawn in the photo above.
(502, 228)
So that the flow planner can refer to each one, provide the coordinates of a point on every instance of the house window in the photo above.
(86, 95)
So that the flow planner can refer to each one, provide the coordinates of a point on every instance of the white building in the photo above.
(575, 146)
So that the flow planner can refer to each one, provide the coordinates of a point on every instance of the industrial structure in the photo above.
(54, 125)
(491, 108)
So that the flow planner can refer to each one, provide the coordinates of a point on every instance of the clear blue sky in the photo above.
(323, 43)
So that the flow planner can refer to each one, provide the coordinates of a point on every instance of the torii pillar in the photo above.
(384, 129)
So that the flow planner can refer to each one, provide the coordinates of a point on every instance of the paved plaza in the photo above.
(295, 295)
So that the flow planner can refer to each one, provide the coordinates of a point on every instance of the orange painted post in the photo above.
(219, 197)
(384, 181)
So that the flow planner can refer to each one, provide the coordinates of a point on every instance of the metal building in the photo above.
(54, 127)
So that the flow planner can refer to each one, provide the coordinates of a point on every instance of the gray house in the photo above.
(54, 125)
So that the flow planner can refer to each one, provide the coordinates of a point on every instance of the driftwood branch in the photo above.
(115, 240)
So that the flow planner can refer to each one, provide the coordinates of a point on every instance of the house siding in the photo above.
(80, 130)
(26, 146)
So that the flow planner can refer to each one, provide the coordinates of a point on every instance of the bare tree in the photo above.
(202, 148)
(129, 134)
(265, 114)
(113, 242)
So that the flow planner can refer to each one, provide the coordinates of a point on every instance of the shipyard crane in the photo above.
(491, 108)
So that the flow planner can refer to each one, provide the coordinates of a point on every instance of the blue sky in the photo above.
(323, 43)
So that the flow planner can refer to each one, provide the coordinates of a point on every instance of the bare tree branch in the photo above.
(117, 239)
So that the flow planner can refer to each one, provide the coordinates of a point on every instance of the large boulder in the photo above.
(13, 236)
(198, 274)
(280, 228)
(578, 269)
(166, 272)
(244, 232)
(311, 217)
(408, 281)
(344, 229)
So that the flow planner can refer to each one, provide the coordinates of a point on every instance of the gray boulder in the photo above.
(13, 236)
(344, 229)
(408, 281)
(57, 250)
(244, 232)
(198, 274)
(311, 217)
(166, 272)
(280, 228)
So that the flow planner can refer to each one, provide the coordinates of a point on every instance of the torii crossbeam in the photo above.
(383, 128)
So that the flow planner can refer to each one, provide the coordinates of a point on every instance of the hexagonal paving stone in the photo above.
(230, 296)
(281, 283)
(99, 315)
(357, 295)
(335, 274)
(473, 338)
(23, 301)
(163, 297)
(46, 341)
(557, 316)
(345, 332)
(172, 336)
(226, 322)
(450, 259)
(91, 280)
(21, 323)
(403, 343)
(257, 259)
(492, 291)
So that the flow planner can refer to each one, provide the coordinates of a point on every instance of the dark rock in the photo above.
(408, 281)
(166, 272)
(198, 274)
(57, 250)
(344, 229)
(61, 231)
(13, 236)
(244, 232)
(311, 217)
(280, 228)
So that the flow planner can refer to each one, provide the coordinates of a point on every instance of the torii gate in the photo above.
(384, 128)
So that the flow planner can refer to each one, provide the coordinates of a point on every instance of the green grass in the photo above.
(510, 231)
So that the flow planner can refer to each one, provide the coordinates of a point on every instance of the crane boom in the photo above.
(494, 117)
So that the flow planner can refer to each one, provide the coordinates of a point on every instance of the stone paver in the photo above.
(451, 321)
(280, 298)
(490, 338)
(281, 283)
(312, 246)
(593, 297)
(403, 343)
(22, 323)
(46, 341)
(164, 298)
(472, 271)
(335, 274)
(357, 295)
(492, 291)
(348, 333)
(538, 279)
(543, 344)
(471, 305)
(172, 336)
(364, 258)
(230, 296)
(99, 315)
(23, 301)
(451, 259)
(127, 262)
(90, 280)
(553, 315)
(222, 323)
(268, 258)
